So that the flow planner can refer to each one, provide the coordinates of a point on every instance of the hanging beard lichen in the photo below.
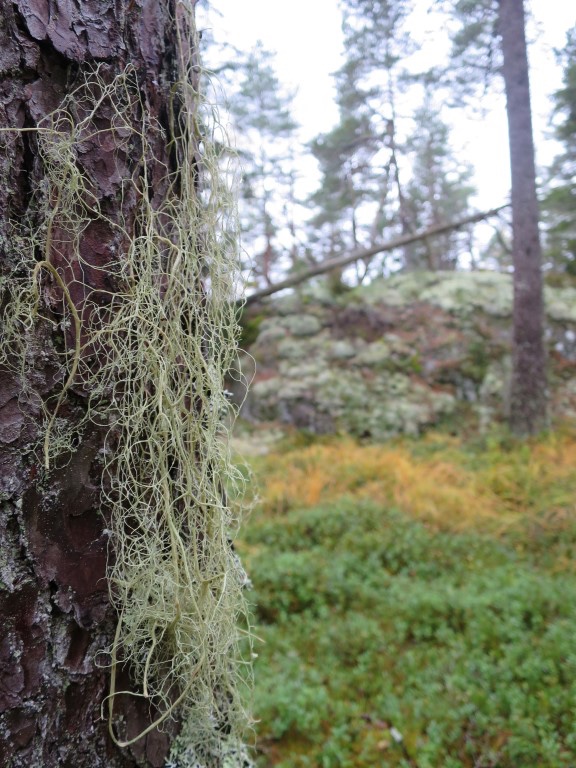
(149, 349)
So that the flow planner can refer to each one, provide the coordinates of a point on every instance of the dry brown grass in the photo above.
(439, 479)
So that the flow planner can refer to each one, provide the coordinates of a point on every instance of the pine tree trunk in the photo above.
(54, 606)
(528, 387)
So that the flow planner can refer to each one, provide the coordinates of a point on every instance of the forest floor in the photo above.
(416, 601)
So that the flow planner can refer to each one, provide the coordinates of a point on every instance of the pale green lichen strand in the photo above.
(163, 346)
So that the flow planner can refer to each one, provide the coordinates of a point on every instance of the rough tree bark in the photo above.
(54, 606)
(528, 386)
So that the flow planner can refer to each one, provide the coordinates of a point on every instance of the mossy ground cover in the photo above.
(449, 623)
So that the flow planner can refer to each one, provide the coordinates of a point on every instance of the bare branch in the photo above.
(349, 258)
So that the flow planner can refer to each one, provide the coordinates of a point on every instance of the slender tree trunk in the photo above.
(403, 212)
(54, 606)
(528, 387)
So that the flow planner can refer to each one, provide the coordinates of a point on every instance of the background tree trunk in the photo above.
(54, 606)
(528, 386)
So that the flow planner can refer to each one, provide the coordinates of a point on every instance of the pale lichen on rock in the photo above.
(399, 355)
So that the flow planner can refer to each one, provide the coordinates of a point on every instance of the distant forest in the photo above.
(393, 194)
(388, 169)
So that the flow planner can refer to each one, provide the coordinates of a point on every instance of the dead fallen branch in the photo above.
(365, 253)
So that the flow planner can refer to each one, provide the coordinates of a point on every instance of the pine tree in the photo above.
(346, 157)
(361, 197)
(560, 202)
(438, 190)
(117, 278)
(261, 110)
(382, 178)
(491, 40)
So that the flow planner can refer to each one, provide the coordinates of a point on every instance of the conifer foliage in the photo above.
(560, 200)
(261, 112)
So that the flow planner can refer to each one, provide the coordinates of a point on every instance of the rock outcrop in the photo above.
(400, 355)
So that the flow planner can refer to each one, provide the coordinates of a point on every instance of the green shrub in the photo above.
(461, 641)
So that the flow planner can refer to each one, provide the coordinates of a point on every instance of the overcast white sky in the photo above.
(307, 37)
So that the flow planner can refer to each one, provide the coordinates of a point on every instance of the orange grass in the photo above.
(438, 479)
